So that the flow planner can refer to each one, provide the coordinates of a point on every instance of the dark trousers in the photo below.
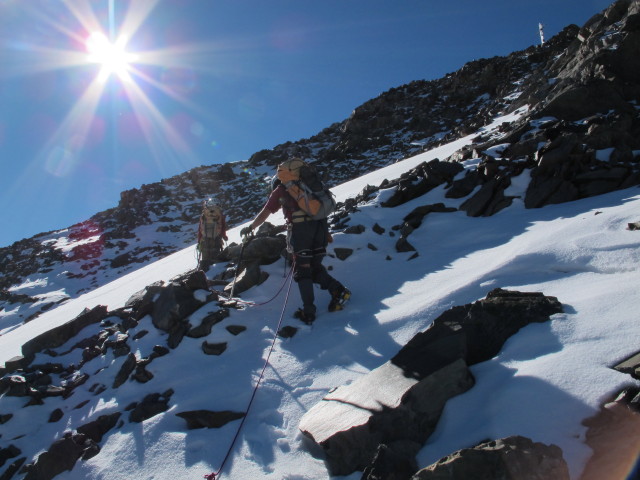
(309, 243)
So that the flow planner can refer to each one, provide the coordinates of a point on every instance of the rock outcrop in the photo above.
(512, 458)
(576, 136)
(399, 403)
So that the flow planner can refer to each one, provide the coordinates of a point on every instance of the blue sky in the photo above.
(210, 82)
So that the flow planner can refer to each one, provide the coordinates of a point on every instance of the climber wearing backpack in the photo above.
(212, 232)
(305, 203)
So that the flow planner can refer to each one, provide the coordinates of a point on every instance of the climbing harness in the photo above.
(217, 475)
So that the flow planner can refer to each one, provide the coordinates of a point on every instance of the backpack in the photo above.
(212, 222)
(303, 183)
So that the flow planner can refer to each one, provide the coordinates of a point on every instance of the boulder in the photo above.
(400, 402)
(173, 305)
(422, 179)
(61, 456)
(214, 348)
(207, 323)
(126, 369)
(391, 465)
(96, 429)
(249, 277)
(385, 406)
(9, 452)
(512, 458)
(60, 335)
(152, 405)
(484, 325)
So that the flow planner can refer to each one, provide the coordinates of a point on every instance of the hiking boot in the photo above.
(305, 317)
(339, 297)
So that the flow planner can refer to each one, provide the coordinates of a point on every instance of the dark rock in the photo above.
(9, 452)
(4, 418)
(56, 415)
(263, 250)
(633, 226)
(61, 456)
(249, 277)
(98, 428)
(142, 302)
(463, 187)
(403, 245)
(73, 382)
(287, 331)
(14, 386)
(343, 253)
(197, 280)
(174, 304)
(402, 400)
(378, 229)
(177, 333)
(142, 375)
(355, 229)
(119, 345)
(480, 204)
(390, 464)
(421, 180)
(512, 458)
(416, 216)
(140, 334)
(150, 406)
(207, 323)
(159, 351)
(548, 190)
(125, 370)
(208, 419)
(16, 363)
(478, 330)
(81, 404)
(383, 407)
(214, 348)
(61, 334)
(12, 469)
(235, 329)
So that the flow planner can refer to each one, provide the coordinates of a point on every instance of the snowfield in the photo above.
(546, 380)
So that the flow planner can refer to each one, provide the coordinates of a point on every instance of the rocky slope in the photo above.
(578, 135)
(575, 135)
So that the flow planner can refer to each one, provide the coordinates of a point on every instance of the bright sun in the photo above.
(112, 57)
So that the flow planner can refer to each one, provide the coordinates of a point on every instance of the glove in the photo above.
(246, 231)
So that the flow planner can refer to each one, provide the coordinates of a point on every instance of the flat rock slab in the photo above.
(350, 422)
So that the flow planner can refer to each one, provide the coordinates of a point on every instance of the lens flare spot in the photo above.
(197, 129)
(60, 161)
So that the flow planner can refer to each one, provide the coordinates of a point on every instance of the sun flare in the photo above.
(112, 57)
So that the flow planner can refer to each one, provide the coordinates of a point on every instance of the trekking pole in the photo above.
(246, 240)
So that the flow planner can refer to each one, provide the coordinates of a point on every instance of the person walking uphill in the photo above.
(308, 239)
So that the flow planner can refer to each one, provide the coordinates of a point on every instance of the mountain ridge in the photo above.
(158, 219)
(515, 159)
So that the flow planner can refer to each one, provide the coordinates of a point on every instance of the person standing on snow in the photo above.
(308, 239)
(212, 233)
